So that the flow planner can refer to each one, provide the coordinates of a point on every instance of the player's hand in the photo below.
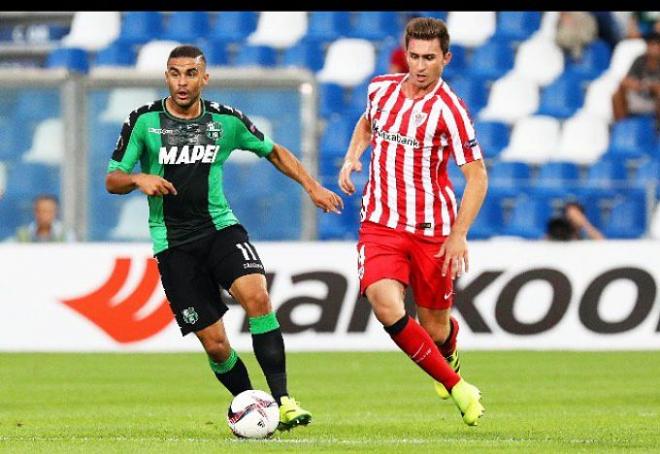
(326, 199)
(455, 252)
(154, 185)
(344, 181)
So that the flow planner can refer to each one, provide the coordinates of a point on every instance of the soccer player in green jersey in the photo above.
(182, 142)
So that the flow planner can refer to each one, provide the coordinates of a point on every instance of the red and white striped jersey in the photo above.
(411, 140)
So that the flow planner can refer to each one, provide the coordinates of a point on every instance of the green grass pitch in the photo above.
(361, 402)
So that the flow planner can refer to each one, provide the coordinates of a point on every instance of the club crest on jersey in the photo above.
(419, 118)
(190, 315)
(188, 154)
(213, 130)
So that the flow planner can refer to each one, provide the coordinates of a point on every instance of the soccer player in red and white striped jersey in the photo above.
(412, 230)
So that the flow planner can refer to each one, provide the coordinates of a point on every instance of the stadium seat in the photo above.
(548, 28)
(457, 65)
(472, 90)
(384, 54)
(36, 104)
(511, 98)
(375, 25)
(595, 59)
(533, 140)
(583, 139)
(279, 29)
(331, 99)
(140, 27)
(93, 30)
(133, 221)
(47, 143)
(122, 101)
(557, 179)
(633, 137)
(328, 25)
(647, 176)
(605, 178)
(528, 218)
(357, 102)
(539, 60)
(8, 151)
(27, 179)
(562, 98)
(493, 136)
(625, 52)
(253, 55)
(517, 25)
(489, 220)
(348, 62)
(334, 143)
(627, 218)
(598, 100)
(491, 60)
(119, 53)
(233, 26)
(15, 211)
(152, 57)
(305, 54)
(509, 178)
(186, 26)
(71, 58)
(216, 52)
(471, 28)
(456, 177)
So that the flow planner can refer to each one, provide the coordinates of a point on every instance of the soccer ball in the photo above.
(253, 414)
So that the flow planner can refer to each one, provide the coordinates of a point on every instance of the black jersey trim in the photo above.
(222, 109)
(129, 125)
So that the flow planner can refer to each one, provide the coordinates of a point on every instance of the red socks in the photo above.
(418, 345)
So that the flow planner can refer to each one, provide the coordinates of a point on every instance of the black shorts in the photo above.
(192, 274)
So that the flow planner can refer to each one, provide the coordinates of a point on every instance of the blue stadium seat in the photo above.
(233, 26)
(357, 101)
(255, 56)
(104, 208)
(528, 218)
(331, 99)
(627, 218)
(139, 27)
(473, 91)
(32, 107)
(336, 136)
(493, 136)
(516, 25)
(215, 52)
(328, 25)
(489, 220)
(457, 64)
(561, 98)
(648, 175)
(15, 211)
(103, 138)
(557, 179)
(375, 25)
(384, 55)
(456, 177)
(30, 179)
(186, 26)
(72, 58)
(633, 138)
(595, 60)
(118, 53)
(509, 178)
(491, 60)
(305, 54)
(605, 178)
(8, 151)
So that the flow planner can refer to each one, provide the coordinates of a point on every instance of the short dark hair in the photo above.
(559, 229)
(652, 36)
(427, 29)
(188, 51)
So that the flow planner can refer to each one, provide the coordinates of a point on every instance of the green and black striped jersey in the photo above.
(190, 154)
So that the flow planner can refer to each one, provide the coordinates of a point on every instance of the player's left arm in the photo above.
(289, 165)
(455, 247)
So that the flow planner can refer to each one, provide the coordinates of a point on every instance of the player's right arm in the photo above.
(120, 182)
(359, 143)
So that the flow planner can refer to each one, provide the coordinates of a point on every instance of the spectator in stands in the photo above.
(639, 91)
(575, 30)
(398, 63)
(45, 228)
(572, 225)
(641, 23)
(608, 28)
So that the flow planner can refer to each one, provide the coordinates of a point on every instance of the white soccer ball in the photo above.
(253, 414)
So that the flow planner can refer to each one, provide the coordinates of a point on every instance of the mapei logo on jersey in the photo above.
(188, 154)
(395, 137)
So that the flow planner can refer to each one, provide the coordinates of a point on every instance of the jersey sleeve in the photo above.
(462, 138)
(130, 145)
(249, 137)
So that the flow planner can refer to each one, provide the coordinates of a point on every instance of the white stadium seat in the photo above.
(511, 97)
(598, 100)
(548, 28)
(133, 221)
(153, 56)
(47, 143)
(583, 139)
(348, 62)
(471, 28)
(93, 30)
(533, 140)
(123, 101)
(625, 52)
(279, 29)
(540, 60)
